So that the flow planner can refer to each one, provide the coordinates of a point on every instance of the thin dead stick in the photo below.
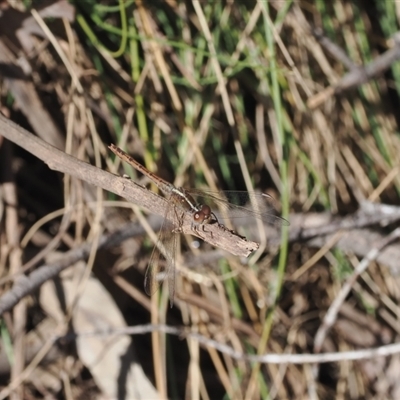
(216, 234)
(57, 160)
(25, 285)
(383, 351)
(333, 311)
(269, 358)
(368, 214)
(358, 74)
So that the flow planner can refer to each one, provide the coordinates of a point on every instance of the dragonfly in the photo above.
(180, 202)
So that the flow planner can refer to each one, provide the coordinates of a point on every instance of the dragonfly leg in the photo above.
(180, 221)
(196, 228)
(215, 217)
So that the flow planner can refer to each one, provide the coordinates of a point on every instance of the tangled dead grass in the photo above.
(224, 95)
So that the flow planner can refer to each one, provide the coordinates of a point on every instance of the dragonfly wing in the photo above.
(242, 204)
(171, 270)
(162, 260)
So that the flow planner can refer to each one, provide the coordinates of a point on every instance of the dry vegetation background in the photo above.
(298, 99)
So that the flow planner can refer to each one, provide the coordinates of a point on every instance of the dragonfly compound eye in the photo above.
(203, 214)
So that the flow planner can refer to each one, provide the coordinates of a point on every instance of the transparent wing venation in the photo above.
(241, 204)
(162, 261)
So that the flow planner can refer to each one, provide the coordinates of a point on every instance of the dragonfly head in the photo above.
(202, 216)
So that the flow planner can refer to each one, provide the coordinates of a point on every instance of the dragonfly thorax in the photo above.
(184, 199)
(201, 213)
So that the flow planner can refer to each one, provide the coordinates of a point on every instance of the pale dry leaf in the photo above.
(102, 355)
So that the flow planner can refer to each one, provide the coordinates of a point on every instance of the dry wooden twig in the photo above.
(215, 234)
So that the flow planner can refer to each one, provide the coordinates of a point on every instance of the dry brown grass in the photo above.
(219, 95)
